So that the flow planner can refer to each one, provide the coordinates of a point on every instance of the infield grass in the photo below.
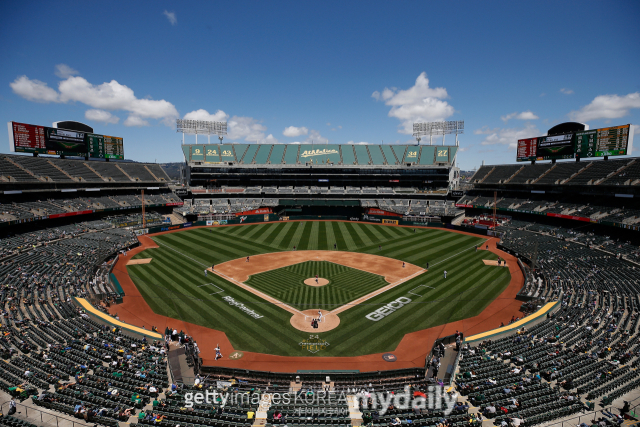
(345, 284)
(171, 284)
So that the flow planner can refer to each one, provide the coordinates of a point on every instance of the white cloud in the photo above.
(293, 131)
(566, 91)
(507, 136)
(135, 121)
(64, 71)
(270, 139)
(607, 107)
(107, 96)
(246, 128)
(463, 149)
(218, 116)
(525, 115)
(358, 143)
(416, 104)
(171, 16)
(316, 138)
(34, 90)
(101, 116)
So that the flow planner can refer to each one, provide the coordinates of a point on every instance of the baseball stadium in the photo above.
(319, 214)
(318, 267)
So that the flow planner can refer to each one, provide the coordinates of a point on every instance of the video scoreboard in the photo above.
(26, 138)
(611, 141)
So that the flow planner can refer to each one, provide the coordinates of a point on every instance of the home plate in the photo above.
(139, 261)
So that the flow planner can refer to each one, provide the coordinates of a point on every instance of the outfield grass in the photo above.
(345, 284)
(171, 284)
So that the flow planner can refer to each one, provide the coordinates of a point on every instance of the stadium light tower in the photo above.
(201, 127)
(438, 128)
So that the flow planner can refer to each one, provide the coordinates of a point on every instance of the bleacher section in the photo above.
(16, 168)
(302, 154)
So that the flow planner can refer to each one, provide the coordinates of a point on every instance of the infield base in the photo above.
(302, 320)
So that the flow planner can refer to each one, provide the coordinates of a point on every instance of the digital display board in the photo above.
(26, 138)
(105, 147)
(527, 149)
(611, 141)
(65, 142)
(555, 147)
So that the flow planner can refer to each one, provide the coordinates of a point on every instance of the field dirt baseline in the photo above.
(239, 270)
(410, 352)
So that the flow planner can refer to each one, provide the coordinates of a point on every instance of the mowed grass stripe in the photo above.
(301, 235)
(196, 312)
(309, 236)
(274, 230)
(346, 236)
(288, 282)
(287, 241)
(284, 232)
(469, 288)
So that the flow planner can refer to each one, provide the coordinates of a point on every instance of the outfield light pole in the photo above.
(438, 128)
(201, 127)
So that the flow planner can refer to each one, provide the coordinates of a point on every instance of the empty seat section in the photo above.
(630, 174)
(226, 152)
(109, 170)
(197, 153)
(276, 154)
(530, 172)
(137, 170)
(263, 154)
(362, 154)
(501, 173)
(250, 152)
(186, 151)
(8, 169)
(158, 172)
(598, 170)
(442, 154)
(348, 158)
(388, 154)
(291, 155)
(376, 155)
(562, 171)
(212, 153)
(77, 169)
(400, 151)
(40, 166)
(427, 155)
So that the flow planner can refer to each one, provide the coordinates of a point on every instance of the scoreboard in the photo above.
(105, 147)
(611, 141)
(26, 138)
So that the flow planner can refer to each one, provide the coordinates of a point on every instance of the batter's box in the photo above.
(220, 290)
(418, 287)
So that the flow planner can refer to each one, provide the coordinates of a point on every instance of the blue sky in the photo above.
(340, 72)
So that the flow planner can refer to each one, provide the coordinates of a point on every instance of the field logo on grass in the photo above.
(386, 310)
(242, 307)
(313, 344)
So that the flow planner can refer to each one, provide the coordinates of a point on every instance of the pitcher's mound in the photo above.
(303, 321)
(312, 282)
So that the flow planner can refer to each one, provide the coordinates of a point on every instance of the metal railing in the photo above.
(45, 417)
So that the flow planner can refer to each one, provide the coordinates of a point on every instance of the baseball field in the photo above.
(375, 289)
